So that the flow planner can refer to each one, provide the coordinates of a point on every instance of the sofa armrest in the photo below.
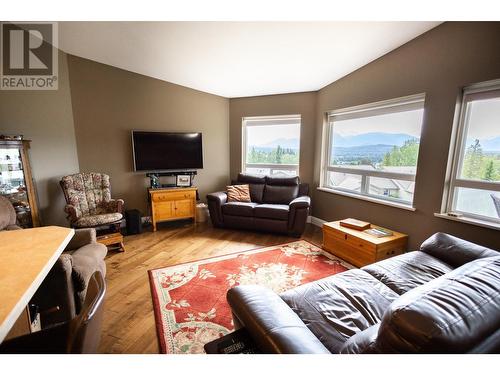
(74, 213)
(362, 342)
(453, 250)
(450, 314)
(215, 202)
(299, 210)
(220, 197)
(271, 322)
(303, 201)
(86, 261)
(114, 205)
(81, 238)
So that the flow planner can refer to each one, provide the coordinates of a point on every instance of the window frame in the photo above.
(395, 105)
(251, 121)
(470, 93)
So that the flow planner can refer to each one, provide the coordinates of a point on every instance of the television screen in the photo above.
(161, 151)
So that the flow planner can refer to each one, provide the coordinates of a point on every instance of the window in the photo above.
(371, 151)
(474, 184)
(271, 145)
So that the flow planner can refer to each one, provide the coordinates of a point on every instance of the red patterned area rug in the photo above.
(190, 299)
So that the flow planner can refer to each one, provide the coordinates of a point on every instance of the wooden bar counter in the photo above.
(26, 257)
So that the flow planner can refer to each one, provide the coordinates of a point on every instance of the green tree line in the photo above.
(478, 166)
(405, 155)
(278, 155)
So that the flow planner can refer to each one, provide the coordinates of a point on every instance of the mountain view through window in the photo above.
(387, 143)
(273, 149)
(480, 159)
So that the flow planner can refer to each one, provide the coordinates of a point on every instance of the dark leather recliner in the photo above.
(444, 298)
(279, 204)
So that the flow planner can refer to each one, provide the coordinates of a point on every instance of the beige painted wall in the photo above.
(273, 105)
(46, 118)
(109, 102)
(439, 63)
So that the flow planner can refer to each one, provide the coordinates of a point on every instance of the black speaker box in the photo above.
(134, 222)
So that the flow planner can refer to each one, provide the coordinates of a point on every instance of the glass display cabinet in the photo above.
(16, 182)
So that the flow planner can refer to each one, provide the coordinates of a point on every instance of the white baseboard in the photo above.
(310, 219)
(316, 221)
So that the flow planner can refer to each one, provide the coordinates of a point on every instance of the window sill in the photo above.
(468, 220)
(369, 199)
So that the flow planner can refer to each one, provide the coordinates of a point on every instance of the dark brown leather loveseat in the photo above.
(444, 298)
(279, 204)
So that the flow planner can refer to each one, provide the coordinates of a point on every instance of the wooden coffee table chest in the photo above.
(359, 248)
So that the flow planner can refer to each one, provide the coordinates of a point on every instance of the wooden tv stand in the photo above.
(168, 204)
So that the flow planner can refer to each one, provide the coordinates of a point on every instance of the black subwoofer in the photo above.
(133, 219)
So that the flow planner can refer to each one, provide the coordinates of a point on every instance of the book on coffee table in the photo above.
(355, 224)
(378, 232)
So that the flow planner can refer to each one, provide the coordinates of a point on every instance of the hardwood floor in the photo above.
(129, 325)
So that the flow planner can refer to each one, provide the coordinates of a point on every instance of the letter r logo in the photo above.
(27, 49)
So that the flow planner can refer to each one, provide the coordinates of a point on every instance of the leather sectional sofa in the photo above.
(278, 204)
(444, 298)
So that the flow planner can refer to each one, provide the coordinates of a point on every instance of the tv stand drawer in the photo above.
(173, 196)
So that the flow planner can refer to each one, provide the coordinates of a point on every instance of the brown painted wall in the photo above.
(109, 102)
(46, 118)
(273, 105)
(439, 63)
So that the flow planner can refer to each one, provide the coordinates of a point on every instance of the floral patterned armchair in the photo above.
(89, 203)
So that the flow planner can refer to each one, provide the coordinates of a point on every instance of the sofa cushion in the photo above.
(282, 181)
(272, 211)
(255, 183)
(95, 220)
(81, 238)
(453, 313)
(238, 208)
(94, 250)
(251, 179)
(363, 342)
(407, 271)
(86, 260)
(281, 190)
(280, 194)
(337, 307)
(453, 250)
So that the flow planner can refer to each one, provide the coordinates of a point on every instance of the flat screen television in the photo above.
(164, 151)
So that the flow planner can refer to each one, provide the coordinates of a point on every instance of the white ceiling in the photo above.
(236, 59)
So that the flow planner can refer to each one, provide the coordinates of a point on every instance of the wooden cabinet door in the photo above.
(164, 210)
(184, 208)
